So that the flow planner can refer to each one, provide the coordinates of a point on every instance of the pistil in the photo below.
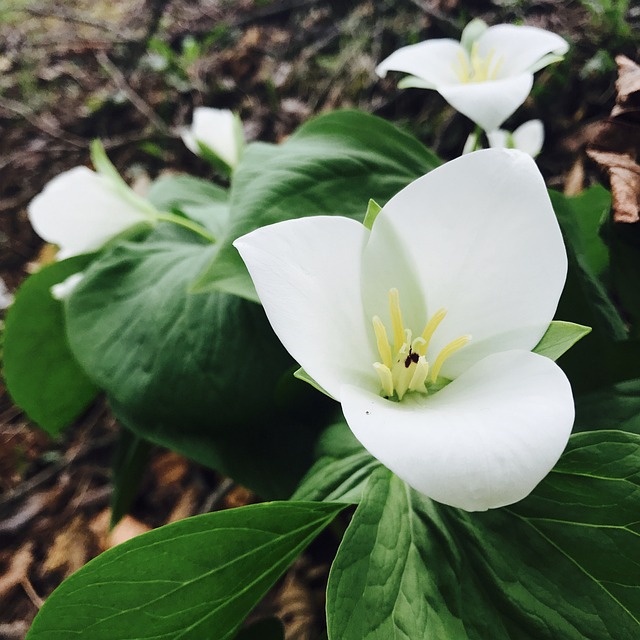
(405, 368)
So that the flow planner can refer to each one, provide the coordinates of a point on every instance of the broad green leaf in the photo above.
(270, 629)
(42, 375)
(559, 338)
(616, 407)
(198, 199)
(563, 563)
(342, 469)
(332, 165)
(196, 579)
(585, 299)
(129, 465)
(625, 271)
(201, 374)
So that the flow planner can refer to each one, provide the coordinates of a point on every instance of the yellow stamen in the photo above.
(462, 71)
(386, 380)
(419, 376)
(429, 330)
(446, 352)
(382, 341)
(396, 319)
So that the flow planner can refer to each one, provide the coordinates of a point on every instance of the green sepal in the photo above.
(559, 338)
(373, 209)
(301, 374)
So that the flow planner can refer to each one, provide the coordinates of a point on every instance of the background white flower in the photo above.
(80, 210)
(471, 249)
(487, 75)
(528, 137)
(219, 131)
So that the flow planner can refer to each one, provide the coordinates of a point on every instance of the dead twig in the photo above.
(22, 110)
(79, 18)
(121, 82)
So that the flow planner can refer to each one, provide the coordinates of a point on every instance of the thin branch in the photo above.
(68, 16)
(121, 82)
(22, 110)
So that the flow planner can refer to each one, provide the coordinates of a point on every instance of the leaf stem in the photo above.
(187, 224)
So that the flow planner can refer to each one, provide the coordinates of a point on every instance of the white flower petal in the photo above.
(218, 129)
(482, 241)
(488, 103)
(307, 275)
(6, 297)
(79, 210)
(520, 46)
(482, 442)
(63, 290)
(498, 139)
(432, 61)
(529, 137)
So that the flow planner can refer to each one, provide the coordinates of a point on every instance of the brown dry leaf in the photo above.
(186, 506)
(616, 144)
(169, 468)
(18, 570)
(126, 529)
(71, 548)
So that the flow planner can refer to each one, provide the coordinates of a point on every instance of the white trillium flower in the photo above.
(216, 132)
(80, 210)
(422, 328)
(487, 75)
(528, 137)
(6, 297)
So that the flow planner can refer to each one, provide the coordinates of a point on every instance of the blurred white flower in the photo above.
(487, 75)
(6, 298)
(80, 210)
(422, 328)
(63, 290)
(217, 133)
(528, 137)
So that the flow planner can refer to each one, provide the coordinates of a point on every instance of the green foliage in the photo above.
(561, 563)
(201, 374)
(332, 165)
(40, 371)
(195, 579)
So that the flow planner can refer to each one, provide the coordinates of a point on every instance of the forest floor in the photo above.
(130, 73)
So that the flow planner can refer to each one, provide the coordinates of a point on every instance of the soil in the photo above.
(130, 73)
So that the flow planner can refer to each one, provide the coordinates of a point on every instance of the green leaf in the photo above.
(585, 299)
(270, 629)
(559, 338)
(342, 469)
(332, 165)
(563, 563)
(129, 465)
(195, 579)
(616, 407)
(199, 200)
(373, 209)
(201, 374)
(41, 374)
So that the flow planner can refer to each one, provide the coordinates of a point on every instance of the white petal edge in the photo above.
(79, 210)
(498, 139)
(484, 441)
(488, 103)
(483, 242)
(432, 61)
(307, 276)
(218, 130)
(529, 137)
(521, 46)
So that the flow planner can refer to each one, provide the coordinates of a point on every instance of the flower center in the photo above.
(405, 367)
(477, 68)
